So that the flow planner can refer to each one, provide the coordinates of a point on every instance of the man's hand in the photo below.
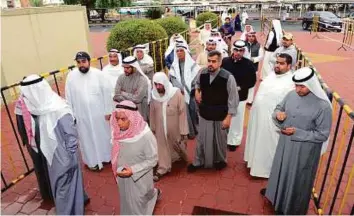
(198, 96)
(127, 172)
(107, 117)
(238, 88)
(281, 116)
(227, 121)
(288, 131)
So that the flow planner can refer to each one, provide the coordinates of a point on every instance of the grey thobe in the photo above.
(192, 116)
(297, 156)
(137, 193)
(134, 88)
(65, 172)
(147, 69)
(212, 139)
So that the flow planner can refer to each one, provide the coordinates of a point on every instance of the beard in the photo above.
(211, 69)
(161, 91)
(84, 70)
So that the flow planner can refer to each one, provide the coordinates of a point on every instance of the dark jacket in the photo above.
(244, 73)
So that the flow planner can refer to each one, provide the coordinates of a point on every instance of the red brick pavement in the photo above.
(231, 189)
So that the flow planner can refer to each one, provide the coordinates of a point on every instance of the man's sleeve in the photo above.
(140, 94)
(233, 99)
(320, 132)
(118, 97)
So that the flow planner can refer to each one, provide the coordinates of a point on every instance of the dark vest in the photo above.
(214, 106)
(254, 50)
(273, 46)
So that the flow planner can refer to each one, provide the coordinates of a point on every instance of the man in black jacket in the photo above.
(245, 75)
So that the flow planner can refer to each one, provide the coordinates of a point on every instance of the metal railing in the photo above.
(335, 172)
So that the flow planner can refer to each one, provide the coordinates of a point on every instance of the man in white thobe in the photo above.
(205, 33)
(244, 17)
(87, 94)
(262, 134)
(272, 43)
(248, 29)
(145, 61)
(112, 71)
(169, 53)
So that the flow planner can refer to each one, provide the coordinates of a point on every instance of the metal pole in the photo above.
(261, 11)
(300, 10)
(345, 8)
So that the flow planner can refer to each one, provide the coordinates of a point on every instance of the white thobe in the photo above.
(234, 137)
(88, 98)
(112, 73)
(204, 35)
(267, 66)
(262, 135)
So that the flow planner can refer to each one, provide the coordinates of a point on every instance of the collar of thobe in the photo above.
(283, 74)
(42, 101)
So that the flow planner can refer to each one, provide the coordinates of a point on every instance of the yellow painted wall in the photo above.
(37, 40)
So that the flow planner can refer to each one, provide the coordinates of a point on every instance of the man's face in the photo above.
(160, 88)
(287, 43)
(251, 38)
(227, 20)
(113, 59)
(207, 26)
(301, 90)
(248, 28)
(281, 66)
(128, 70)
(238, 53)
(214, 63)
(83, 65)
(123, 121)
(139, 54)
(181, 54)
(211, 46)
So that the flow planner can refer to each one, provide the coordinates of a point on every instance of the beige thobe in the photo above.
(170, 148)
(202, 59)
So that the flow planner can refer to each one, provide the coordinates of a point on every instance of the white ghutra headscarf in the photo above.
(170, 91)
(191, 69)
(43, 102)
(306, 76)
(146, 59)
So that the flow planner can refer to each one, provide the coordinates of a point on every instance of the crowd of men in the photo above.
(139, 120)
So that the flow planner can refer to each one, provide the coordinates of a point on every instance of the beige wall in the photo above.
(38, 40)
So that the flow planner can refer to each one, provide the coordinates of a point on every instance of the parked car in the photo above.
(328, 21)
(351, 15)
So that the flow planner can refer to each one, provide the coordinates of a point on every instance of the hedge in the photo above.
(172, 25)
(132, 32)
(202, 17)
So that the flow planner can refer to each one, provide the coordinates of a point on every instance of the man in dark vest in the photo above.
(256, 54)
(245, 75)
(273, 41)
(217, 97)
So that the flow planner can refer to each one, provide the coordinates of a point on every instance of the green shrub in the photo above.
(154, 13)
(202, 17)
(132, 32)
(172, 25)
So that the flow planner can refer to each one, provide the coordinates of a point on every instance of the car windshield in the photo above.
(328, 14)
